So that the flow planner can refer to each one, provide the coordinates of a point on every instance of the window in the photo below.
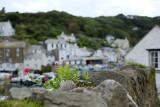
(7, 49)
(7, 54)
(36, 65)
(13, 65)
(49, 61)
(154, 59)
(52, 45)
(17, 54)
(17, 49)
(27, 65)
(0, 65)
(8, 65)
(9, 60)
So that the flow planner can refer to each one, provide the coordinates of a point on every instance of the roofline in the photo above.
(158, 49)
(142, 39)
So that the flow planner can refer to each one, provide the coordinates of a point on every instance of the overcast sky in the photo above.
(91, 8)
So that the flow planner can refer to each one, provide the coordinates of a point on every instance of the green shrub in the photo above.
(132, 64)
(64, 73)
(135, 64)
(141, 66)
(19, 103)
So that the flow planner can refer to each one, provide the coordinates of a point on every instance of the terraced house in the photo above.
(12, 55)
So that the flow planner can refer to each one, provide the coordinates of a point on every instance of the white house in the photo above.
(6, 29)
(147, 51)
(52, 44)
(37, 49)
(65, 37)
(68, 51)
(112, 54)
(36, 60)
(73, 53)
(121, 43)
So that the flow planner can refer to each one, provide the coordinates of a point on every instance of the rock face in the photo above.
(68, 99)
(113, 93)
(23, 93)
(20, 93)
(67, 85)
(140, 83)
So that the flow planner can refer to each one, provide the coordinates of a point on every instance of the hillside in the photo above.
(43, 25)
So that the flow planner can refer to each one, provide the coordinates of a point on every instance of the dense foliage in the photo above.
(42, 25)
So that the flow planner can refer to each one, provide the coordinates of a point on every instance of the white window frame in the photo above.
(150, 59)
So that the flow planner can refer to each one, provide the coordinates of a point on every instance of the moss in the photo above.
(19, 103)
(151, 76)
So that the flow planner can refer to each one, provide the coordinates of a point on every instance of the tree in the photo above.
(3, 10)
(73, 27)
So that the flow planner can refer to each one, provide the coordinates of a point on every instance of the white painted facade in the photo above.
(37, 49)
(141, 54)
(11, 67)
(36, 60)
(65, 37)
(50, 58)
(52, 44)
(66, 50)
(112, 54)
(121, 43)
(73, 61)
(6, 29)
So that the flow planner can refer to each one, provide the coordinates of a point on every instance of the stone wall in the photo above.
(127, 87)
(140, 83)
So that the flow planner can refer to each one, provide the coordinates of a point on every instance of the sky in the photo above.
(86, 8)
